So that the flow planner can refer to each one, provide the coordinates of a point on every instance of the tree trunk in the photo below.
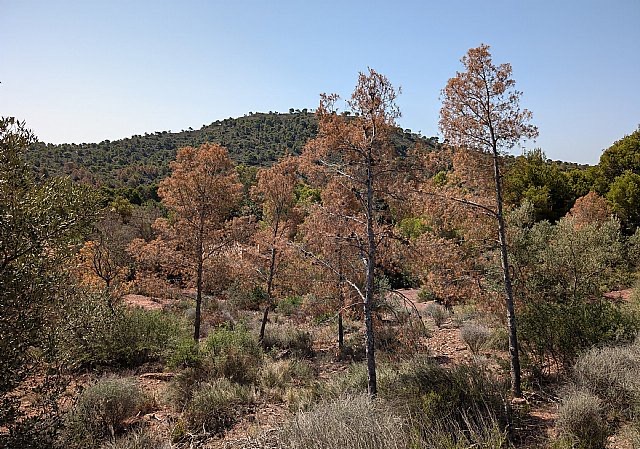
(372, 385)
(200, 258)
(270, 276)
(340, 333)
(508, 288)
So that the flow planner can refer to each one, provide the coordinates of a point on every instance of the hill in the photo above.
(140, 161)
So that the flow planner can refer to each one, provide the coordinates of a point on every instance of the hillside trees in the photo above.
(357, 154)
(40, 223)
(201, 194)
(481, 111)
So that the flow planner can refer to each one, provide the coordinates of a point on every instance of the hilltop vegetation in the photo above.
(133, 166)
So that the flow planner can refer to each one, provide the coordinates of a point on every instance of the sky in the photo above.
(88, 70)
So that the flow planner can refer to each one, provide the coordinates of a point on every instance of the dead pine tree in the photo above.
(355, 152)
(481, 112)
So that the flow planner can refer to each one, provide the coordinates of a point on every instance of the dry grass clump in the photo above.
(138, 439)
(475, 335)
(611, 373)
(353, 422)
(101, 410)
(216, 405)
(581, 420)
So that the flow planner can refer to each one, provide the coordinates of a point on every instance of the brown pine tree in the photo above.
(357, 153)
(481, 111)
(201, 192)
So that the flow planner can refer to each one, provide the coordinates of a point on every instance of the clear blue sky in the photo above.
(85, 71)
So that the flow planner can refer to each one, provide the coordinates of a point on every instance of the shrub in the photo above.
(101, 410)
(234, 353)
(138, 439)
(456, 399)
(185, 353)
(289, 305)
(581, 420)
(346, 423)
(438, 312)
(611, 373)
(554, 334)
(94, 335)
(216, 405)
(246, 299)
(286, 338)
(475, 335)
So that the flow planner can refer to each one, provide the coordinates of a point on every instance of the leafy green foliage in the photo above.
(40, 222)
(533, 178)
(562, 272)
(624, 196)
(95, 335)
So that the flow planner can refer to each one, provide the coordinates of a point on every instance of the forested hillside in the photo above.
(133, 166)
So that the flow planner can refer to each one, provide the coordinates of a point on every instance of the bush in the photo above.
(234, 353)
(581, 420)
(138, 439)
(346, 423)
(94, 335)
(612, 375)
(438, 312)
(185, 353)
(554, 334)
(215, 406)
(459, 399)
(101, 410)
(475, 335)
(297, 342)
(289, 305)
(246, 299)
(281, 373)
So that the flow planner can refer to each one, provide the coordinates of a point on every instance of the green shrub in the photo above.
(234, 353)
(475, 335)
(246, 299)
(289, 305)
(138, 439)
(185, 353)
(101, 410)
(581, 420)
(552, 335)
(298, 343)
(94, 335)
(346, 423)
(216, 405)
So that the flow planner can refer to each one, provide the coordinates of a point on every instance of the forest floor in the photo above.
(537, 412)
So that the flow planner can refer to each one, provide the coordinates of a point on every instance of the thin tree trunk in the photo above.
(340, 333)
(508, 288)
(200, 257)
(372, 385)
(270, 276)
